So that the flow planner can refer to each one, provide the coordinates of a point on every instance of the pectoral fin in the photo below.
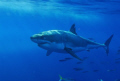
(48, 53)
(69, 50)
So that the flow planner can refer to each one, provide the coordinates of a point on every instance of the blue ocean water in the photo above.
(23, 60)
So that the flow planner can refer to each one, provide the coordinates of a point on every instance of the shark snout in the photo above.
(31, 37)
(35, 36)
(34, 39)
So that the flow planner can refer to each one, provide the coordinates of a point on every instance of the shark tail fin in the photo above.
(107, 44)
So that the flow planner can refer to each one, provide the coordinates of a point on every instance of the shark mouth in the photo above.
(40, 44)
(43, 43)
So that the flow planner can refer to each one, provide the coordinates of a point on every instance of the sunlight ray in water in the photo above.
(47, 8)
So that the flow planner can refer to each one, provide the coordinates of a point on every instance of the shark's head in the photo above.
(47, 40)
(40, 38)
(46, 37)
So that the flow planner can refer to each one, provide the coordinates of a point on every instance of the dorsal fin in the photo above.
(73, 30)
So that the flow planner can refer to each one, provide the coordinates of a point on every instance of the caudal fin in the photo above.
(107, 43)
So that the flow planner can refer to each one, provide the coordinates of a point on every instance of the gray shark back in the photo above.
(68, 38)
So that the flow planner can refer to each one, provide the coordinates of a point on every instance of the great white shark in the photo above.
(66, 42)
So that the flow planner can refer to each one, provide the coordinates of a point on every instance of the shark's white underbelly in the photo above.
(59, 47)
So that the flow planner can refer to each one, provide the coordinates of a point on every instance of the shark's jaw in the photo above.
(39, 39)
(43, 42)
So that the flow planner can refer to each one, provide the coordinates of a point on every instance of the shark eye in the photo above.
(43, 37)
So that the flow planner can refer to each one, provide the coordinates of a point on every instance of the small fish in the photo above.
(85, 71)
(79, 62)
(68, 58)
(95, 70)
(78, 69)
(63, 60)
